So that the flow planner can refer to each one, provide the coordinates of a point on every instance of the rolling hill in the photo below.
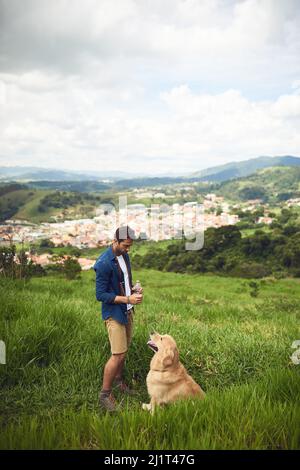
(274, 184)
(22, 203)
(42, 205)
(32, 173)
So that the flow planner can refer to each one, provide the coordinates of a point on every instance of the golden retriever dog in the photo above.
(167, 379)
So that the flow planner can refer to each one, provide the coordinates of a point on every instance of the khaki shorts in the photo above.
(120, 335)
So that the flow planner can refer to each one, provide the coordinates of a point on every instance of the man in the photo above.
(114, 290)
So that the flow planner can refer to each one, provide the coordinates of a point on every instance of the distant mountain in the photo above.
(52, 175)
(84, 185)
(24, 174)
(12, 171)
(19, 173)
(243, 168)
(76, 180)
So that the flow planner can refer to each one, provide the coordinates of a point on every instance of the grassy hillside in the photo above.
(21, 204)
(236, 346)
(273, 185)
(29, 211)
(37, 205)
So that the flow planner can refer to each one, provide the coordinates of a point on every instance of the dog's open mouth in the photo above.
(152, 346)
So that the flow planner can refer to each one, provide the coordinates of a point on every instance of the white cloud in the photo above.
(192, 130)
(178, 84)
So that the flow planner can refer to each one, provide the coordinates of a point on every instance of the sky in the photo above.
(148, 86)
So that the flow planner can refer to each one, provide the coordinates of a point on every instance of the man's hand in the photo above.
(132, 299)
(135, 299)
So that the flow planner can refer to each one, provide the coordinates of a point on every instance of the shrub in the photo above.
(7, 261)
(46, 243)
(254, 288)
(71, 268)
(251, 270)
(15, 265)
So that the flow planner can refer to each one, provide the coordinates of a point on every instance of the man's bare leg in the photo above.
(111, 370)
(119, 375)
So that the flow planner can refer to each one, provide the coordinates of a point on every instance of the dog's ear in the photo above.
(168, 357)
(176, 356)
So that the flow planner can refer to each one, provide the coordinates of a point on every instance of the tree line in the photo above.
(226, 252)
(65, 199)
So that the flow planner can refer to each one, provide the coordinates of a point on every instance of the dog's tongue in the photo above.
(152, 346)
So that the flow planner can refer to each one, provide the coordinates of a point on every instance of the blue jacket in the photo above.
(108, 278)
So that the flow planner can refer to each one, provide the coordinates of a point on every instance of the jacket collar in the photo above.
(111, 253)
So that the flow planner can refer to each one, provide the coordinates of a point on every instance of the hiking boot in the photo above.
(123, 388)
(107, 402)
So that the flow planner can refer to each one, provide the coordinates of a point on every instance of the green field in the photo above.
(236, 346)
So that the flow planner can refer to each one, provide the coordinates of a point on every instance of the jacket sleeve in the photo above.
(103, 274)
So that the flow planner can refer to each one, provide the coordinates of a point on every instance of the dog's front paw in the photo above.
(146, 406)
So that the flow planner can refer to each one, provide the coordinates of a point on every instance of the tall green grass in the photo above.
(236, 346)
